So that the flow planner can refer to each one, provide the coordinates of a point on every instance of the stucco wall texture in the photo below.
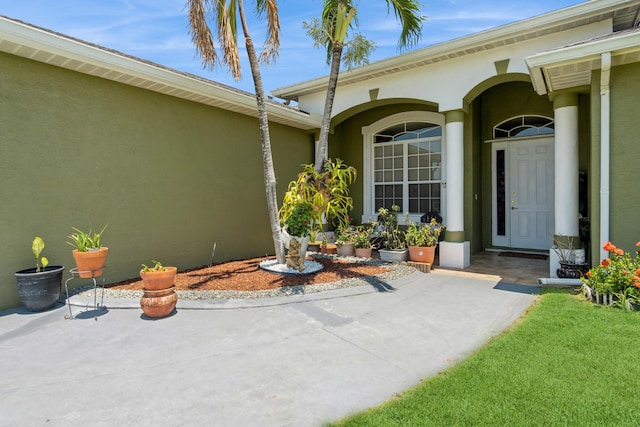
(169, 176)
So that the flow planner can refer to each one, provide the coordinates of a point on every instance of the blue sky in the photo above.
(157, 30)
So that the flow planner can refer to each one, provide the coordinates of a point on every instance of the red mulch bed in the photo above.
(246, 275)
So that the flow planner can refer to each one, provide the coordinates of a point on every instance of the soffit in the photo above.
(624, 14)
(38, 44)
(573, 66)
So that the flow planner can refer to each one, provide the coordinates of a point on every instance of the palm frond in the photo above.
(228, 35)
(269, 9)
(201, 33)
(408, 13)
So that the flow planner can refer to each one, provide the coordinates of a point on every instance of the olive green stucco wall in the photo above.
(624, 227)
(169, 176)
(473, 190)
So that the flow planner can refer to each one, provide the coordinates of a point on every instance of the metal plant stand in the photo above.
(75, 274)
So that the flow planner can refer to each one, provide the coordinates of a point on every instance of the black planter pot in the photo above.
(569, 270)
(39, 291)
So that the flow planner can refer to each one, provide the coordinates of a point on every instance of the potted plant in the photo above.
(362, 241)
(422, 240)
(159, 298)
(39, 287)
(297, 226)
(326, 191)
(344, 241)
(158, 277)
(571, 267)
(328, 244)
(616, 280)
(89, 255)
(393, 240)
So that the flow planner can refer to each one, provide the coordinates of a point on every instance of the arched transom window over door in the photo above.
(405, 165)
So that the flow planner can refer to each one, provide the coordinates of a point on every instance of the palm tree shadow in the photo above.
(379, 285)
(204, 278)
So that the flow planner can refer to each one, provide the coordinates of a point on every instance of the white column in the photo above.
(605, 154)
(454, 251)
(566, 171)
(566, 165)
(454, 179)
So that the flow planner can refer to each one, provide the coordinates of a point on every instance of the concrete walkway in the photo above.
(295, 361)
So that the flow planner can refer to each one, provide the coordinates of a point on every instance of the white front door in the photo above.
(523, 193)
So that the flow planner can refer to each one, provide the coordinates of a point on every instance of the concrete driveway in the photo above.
(296, 361)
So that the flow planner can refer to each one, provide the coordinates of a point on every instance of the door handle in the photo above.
(513, 208)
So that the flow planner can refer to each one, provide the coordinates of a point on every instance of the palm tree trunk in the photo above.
(267, 158)
(322, 153)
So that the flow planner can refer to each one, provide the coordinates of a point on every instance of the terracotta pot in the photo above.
(363, 252)
(90, 263)
(329, 248)
(346, 249)
(158, 280)
(157, 304)
(425, 254)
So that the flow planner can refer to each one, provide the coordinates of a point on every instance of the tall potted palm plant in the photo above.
(327, 192)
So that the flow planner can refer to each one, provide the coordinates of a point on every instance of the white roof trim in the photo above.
(21, 39)
(504, 35)
(571, 66)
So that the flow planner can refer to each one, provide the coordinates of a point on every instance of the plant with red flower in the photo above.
(618, 275)
(299, 222)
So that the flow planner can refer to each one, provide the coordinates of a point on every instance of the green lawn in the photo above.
(568, 362)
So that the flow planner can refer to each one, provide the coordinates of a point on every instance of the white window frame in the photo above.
(368, 133)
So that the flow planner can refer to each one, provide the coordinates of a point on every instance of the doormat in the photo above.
(521, 255)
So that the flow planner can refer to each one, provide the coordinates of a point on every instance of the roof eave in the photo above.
(21, 39)
(588, 52)
(457, 47)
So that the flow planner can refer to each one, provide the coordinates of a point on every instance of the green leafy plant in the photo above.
(388, 228)
(327, 192)
(618, 275)
(423, 234)
(345, 235)
(362, 237)
(37, 246)
(85, 241)
(300, 221)
(157, 267)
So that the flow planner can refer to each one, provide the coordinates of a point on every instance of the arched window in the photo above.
(524, 126)
(407, 160)
(405, 163)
